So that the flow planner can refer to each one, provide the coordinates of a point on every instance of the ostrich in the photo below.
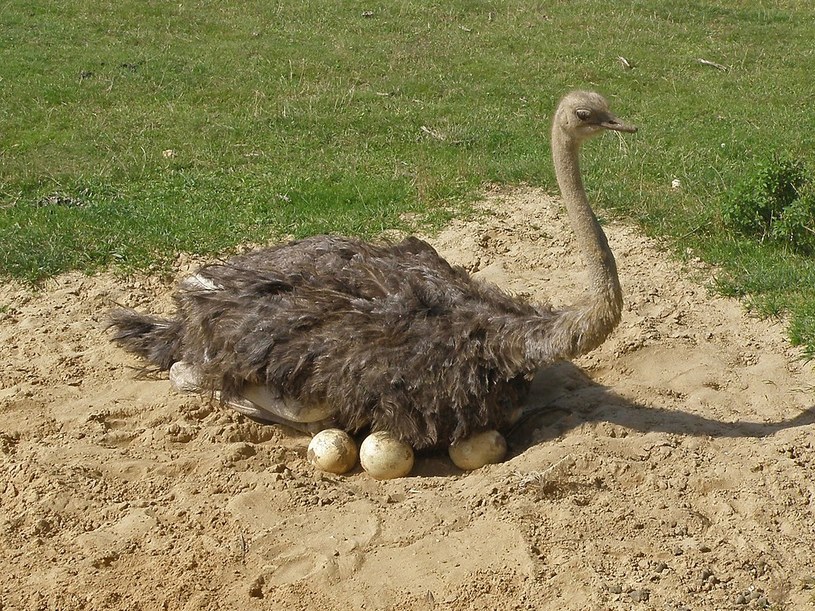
(332, 331)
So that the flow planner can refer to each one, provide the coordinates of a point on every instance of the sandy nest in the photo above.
(673, 468)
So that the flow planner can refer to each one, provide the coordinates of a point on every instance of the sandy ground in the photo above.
(673, 468)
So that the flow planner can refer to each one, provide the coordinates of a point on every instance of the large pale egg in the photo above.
(383, 456)
(479, 450)
(332, 450)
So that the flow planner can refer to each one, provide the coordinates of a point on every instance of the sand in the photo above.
(672, 468)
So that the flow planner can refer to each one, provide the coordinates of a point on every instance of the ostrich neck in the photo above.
(584, 325)
(591, 240)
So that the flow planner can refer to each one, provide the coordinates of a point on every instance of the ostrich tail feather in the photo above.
(157, 340)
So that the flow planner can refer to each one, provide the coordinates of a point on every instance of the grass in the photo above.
(131, 131)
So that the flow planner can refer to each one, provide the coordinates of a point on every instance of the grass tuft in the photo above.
(775, 201)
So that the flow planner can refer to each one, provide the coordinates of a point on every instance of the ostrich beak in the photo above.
(613, 123)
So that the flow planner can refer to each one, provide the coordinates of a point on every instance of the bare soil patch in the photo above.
(672, 468)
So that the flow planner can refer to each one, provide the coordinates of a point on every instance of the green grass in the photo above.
(292, 118)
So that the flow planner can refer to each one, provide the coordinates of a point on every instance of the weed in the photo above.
(796, 225)
(769, 203)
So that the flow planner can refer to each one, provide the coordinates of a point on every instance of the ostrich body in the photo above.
(388, 337)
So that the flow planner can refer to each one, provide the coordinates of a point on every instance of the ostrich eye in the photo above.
(583, 114)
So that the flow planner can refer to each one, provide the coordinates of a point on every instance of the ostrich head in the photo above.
(584, 114)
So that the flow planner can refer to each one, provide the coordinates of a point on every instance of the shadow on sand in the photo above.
(563, 397)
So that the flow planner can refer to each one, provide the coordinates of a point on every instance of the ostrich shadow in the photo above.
(562, 397)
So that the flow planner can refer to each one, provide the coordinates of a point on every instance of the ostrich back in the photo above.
(392, 336)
